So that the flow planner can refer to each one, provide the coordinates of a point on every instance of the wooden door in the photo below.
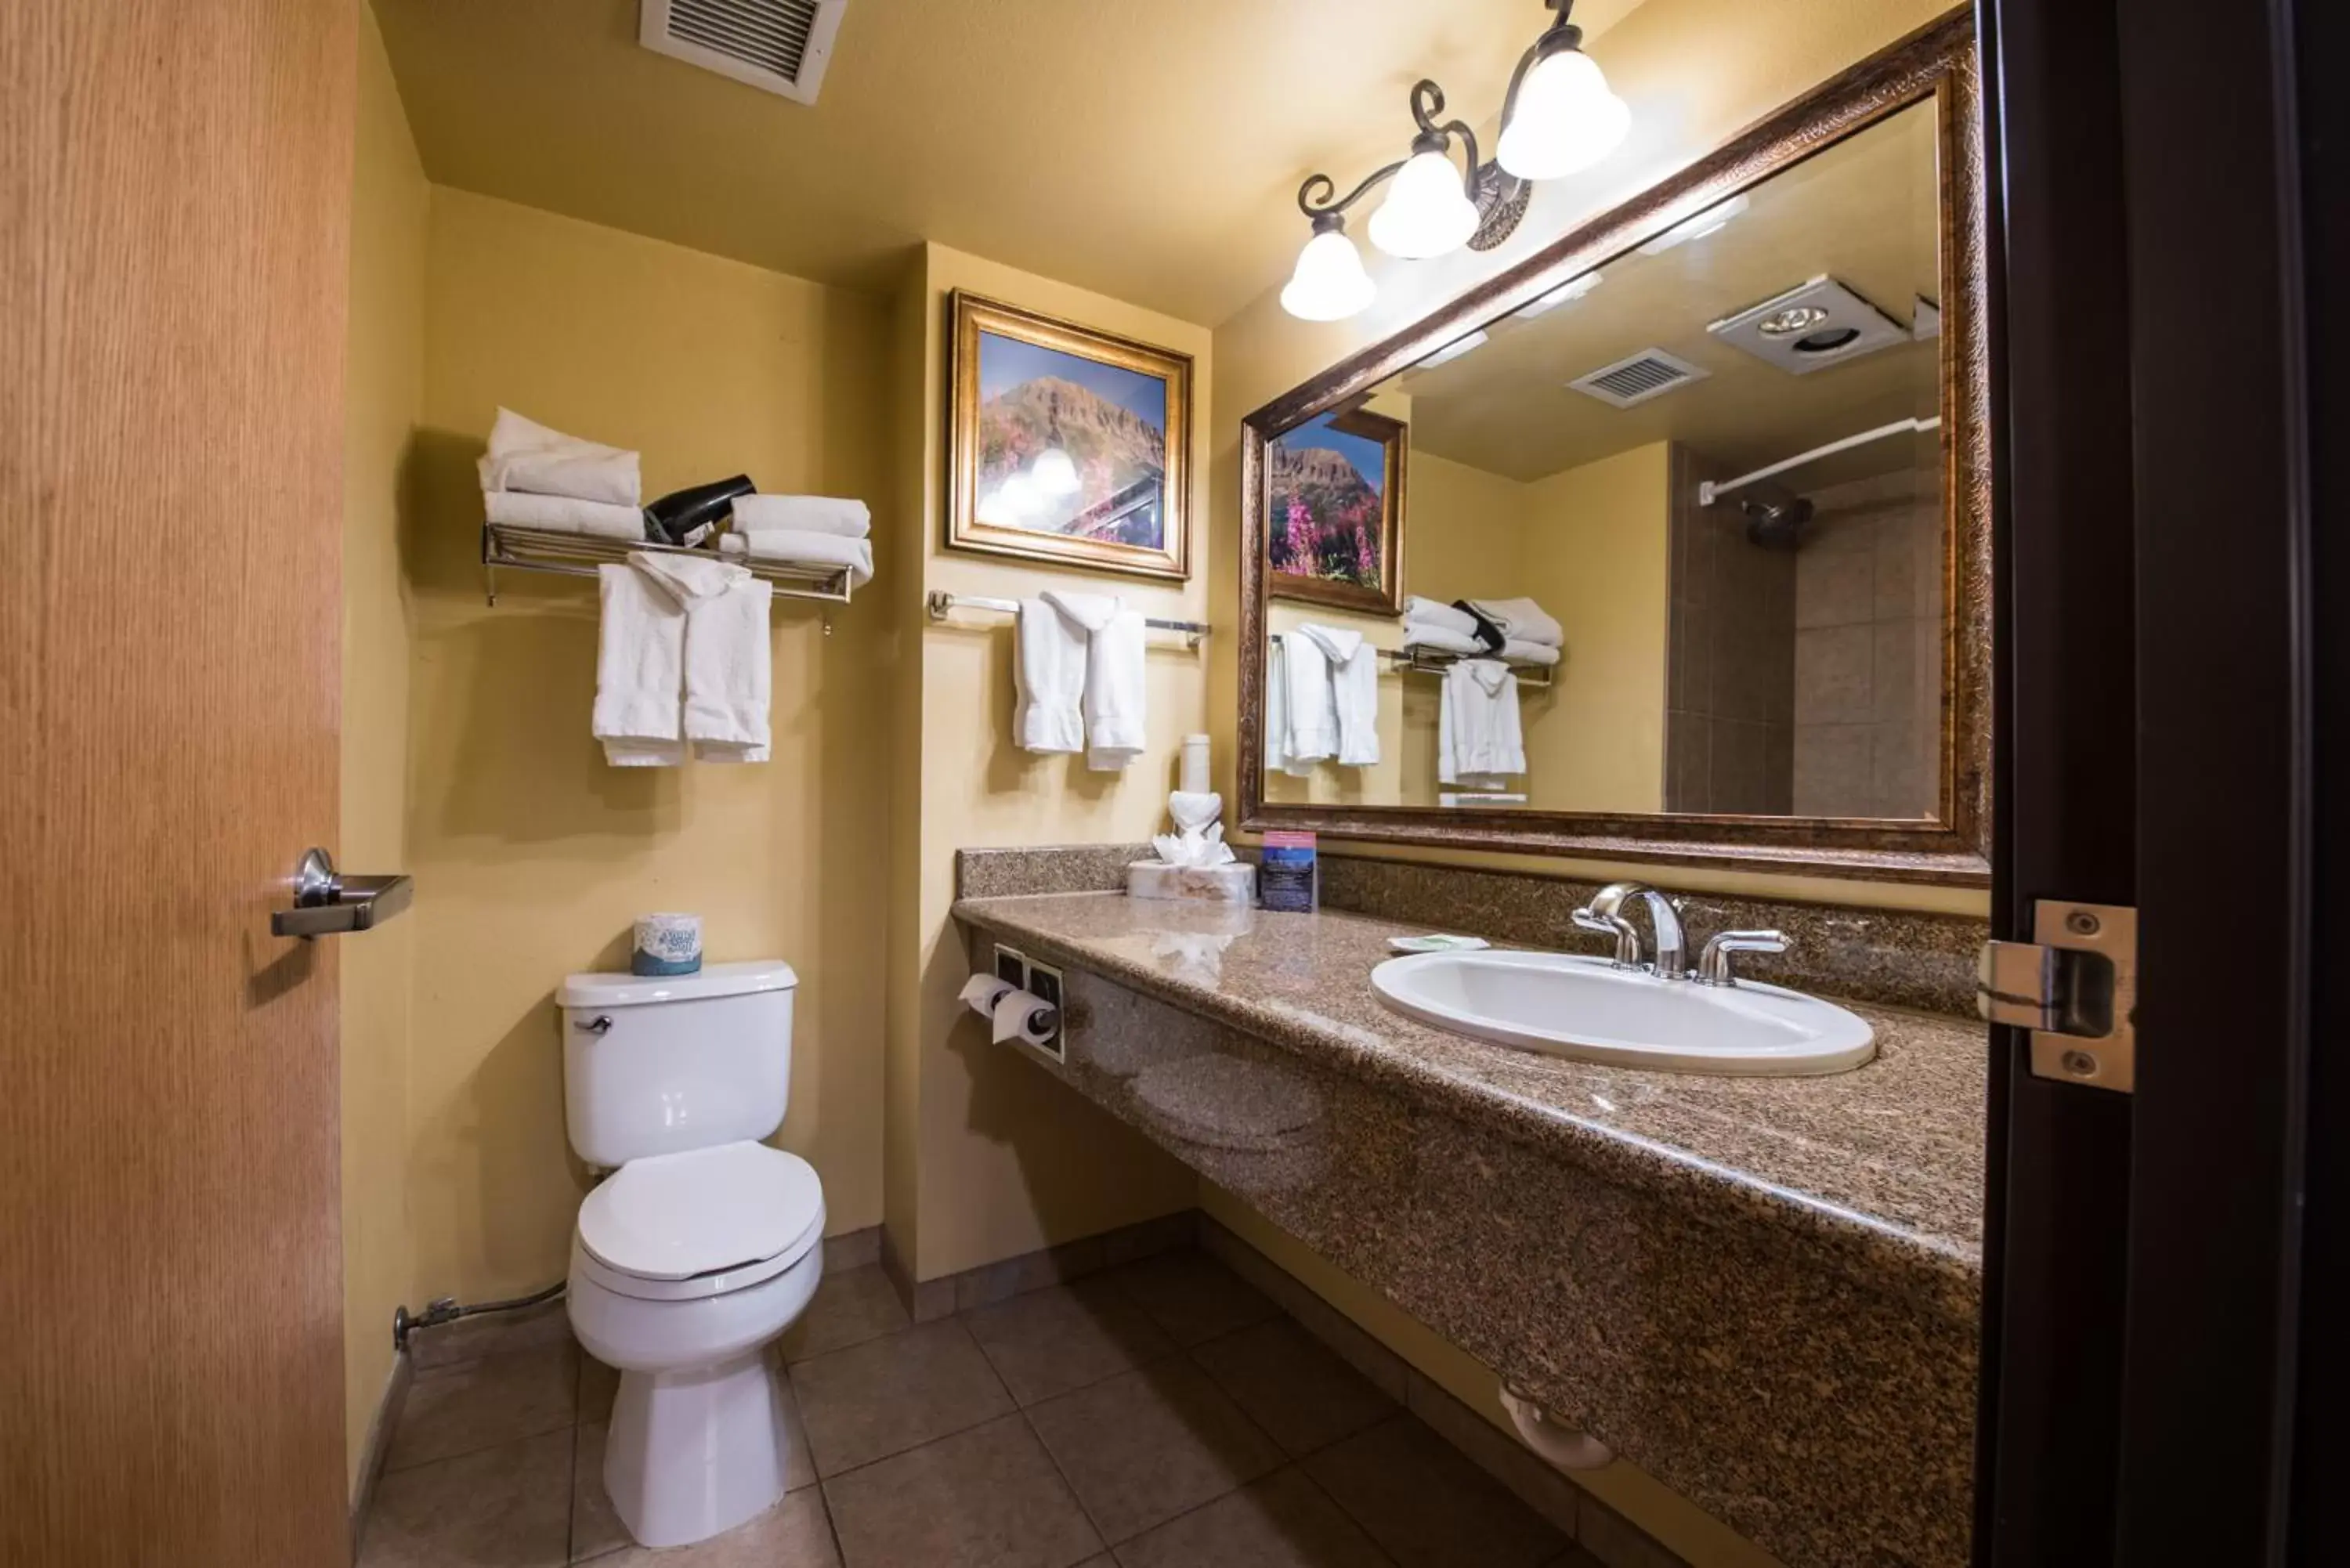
(174, 195)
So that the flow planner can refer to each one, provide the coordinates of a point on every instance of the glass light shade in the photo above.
(1053, 473)
(1565, 120)
(1329, 284)
(1427, 212)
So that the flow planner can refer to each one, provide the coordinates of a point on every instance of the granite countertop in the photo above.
(1880, 1169)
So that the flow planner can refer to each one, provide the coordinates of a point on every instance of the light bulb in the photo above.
(1565, 121)
(1329, 284)
(1053, 474)
(1426, 213)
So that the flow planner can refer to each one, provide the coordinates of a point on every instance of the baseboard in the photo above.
(925, 1300)
(385, 1422)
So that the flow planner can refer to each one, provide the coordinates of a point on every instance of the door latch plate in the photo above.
(2074, 986)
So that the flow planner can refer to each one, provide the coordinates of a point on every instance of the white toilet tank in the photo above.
(658, 1064)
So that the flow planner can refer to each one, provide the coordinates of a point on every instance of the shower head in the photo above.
(1776, 527)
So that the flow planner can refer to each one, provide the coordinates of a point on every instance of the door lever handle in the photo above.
(326, 903)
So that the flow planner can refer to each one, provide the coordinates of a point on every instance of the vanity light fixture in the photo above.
(1559, 118)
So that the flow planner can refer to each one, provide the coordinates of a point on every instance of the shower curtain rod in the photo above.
(1708, 492)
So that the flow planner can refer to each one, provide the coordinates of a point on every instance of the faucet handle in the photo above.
(1610, 924)
(1713, 965)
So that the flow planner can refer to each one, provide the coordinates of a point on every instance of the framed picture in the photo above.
(1067, 445)
(1334, 511)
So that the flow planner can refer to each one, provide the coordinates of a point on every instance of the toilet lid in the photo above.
(674, 1216)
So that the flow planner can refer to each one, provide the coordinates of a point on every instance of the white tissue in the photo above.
(1198, 837)
(1013, 1011)
(981, 992)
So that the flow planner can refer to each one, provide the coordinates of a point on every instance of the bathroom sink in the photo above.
(1588, 1009)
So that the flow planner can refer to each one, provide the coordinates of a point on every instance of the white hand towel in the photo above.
(1522, 619)
(1116, 688)
(803, 514)
(1050, 675)
(1518, 650)
(1418, 611)
(526, 455)
(564, 515)
(1478, 738)
(1313, 732)
(1276, 714)
(728, 658)
(1439, 639)
(1354, 692)
(801, 547)
(639, 670)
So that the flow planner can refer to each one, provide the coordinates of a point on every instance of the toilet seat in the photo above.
(703, 1222)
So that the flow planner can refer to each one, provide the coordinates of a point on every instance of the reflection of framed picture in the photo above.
(1334, 511)
(1067, 444)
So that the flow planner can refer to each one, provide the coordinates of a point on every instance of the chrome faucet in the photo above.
(1604, 914)
(1713, 964)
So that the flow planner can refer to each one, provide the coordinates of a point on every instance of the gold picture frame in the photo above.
(1348, 438)
(1053, 451)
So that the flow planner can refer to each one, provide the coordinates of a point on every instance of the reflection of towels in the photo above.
(1313, 706)
(564, 515)
(639, 670)
(1521, 618)
(1478, 740)
(1050, 675)
(1354, 692)
(1426, 612)
(1439, 638)
(800, 547)
(526, 455)
(1276, 714)
(1114, 683)
(1518, 650)
(803, 514)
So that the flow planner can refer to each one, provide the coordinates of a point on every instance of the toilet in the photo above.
(701, 1247)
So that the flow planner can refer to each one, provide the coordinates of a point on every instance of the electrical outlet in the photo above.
(1012, 967)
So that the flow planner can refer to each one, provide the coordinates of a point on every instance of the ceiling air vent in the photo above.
(780, 45)
(1651, 373)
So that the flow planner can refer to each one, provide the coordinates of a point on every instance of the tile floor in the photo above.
(1157, 1415)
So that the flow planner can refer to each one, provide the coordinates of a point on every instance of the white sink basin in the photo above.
(1589, 1010)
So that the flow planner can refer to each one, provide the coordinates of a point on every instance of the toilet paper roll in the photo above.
(1018, 1013)
(667, 944)
(981, 992)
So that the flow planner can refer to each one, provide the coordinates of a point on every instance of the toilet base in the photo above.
(694, 1453)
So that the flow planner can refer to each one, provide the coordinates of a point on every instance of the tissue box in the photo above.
(1234, 883)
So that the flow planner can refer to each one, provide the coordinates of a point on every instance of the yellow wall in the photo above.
(1003, 1159)
(1597, 557)
(531, 855)
(1695, 72)
(382, 396)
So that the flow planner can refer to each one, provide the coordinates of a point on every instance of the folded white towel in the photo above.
(1439, 639)
(1478, 738)
(1418, 611)
(803, 514)
(564, 515)
(639, 670)
(728, 672)
(1116, 685)
(526, 455)
(1522, 619)
(1276, 714)
(1050, 672)
(1518, 650)
(1353, 666)
(802, 548)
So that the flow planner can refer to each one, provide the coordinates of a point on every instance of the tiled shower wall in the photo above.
(1729, 707)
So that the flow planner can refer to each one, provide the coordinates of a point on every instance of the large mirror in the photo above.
(1670, 543)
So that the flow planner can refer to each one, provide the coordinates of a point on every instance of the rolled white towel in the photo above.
(526, 455)
(1518, 650)
(1439, 638)
(1418, 611)
(1522, 619)
(803, 514)
(564, 515)
(802, 549)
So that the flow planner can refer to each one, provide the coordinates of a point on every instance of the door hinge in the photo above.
(2075, 988)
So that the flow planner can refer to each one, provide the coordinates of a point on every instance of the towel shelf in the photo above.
(579, 555)
(939, 604)
(1432, 661)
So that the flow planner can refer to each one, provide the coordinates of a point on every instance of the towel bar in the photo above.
(579, 555)
(939, 603)
(1430, 661)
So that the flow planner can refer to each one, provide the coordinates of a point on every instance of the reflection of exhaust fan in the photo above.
(1651, 373)
(1804, 329)
(780, 45)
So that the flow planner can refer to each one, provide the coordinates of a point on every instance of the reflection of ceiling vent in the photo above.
(1651, 373)
(778, 45)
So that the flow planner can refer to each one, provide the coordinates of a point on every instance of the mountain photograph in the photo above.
(1324, 514)
(1070, 446)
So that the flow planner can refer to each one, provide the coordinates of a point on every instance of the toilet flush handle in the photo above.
(595, 1026)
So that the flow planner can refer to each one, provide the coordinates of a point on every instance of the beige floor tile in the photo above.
(891, 1394)
(503, 1507)
(1282, 1521)
(1051, 1341)
(851, 1306)
(479, 1404)
(795, 1534)
(1293, 1386)
(1426, 1505)
(1143, 1447)
(1191, 1295)
(540, 1327)
(598, 1384)
(988, 1497)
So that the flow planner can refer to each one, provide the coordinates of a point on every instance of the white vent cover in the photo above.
(780, 45)
(1651, 373)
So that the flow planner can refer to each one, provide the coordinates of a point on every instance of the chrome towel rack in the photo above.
(579, 555)
(941, 603)
(1432, 661)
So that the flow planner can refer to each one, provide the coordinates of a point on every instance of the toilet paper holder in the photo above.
(1017, 969)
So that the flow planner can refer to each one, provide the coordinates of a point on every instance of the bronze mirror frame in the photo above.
(1938, 62)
